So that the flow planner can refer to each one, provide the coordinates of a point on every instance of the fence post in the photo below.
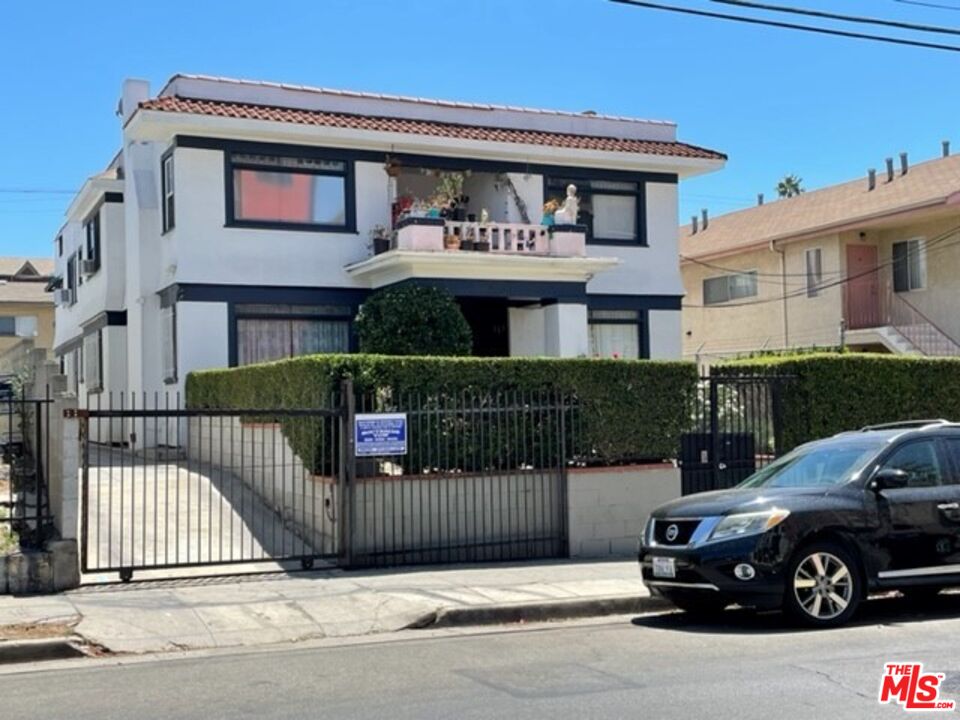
(714, 432)
(347, 471)
(777, 402)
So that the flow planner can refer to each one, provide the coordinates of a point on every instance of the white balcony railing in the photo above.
(424, 234)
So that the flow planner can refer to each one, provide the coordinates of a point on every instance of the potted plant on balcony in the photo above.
(549, 208)
(380, 237)
(450, 188)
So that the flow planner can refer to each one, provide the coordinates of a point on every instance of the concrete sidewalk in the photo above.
(263, 609)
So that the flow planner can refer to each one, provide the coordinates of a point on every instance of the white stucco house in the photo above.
(234, 226)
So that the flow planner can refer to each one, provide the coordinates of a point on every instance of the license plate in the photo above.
(664, 567)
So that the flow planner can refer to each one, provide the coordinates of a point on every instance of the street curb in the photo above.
(23, 651)
(541, 611)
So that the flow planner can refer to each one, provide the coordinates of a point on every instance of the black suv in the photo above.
(819, 528)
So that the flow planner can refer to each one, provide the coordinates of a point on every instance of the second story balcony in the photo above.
(424, 247)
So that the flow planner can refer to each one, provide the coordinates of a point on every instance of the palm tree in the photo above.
(790, 185)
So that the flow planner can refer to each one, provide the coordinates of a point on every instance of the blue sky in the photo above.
(775, 101)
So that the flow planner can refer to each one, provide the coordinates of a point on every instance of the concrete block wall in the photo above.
(608, 507)
(261, 457)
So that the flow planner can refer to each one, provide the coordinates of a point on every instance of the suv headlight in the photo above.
(647, 537)
(748, 523)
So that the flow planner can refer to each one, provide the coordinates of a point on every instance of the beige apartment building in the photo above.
(26, 309)
(873, 264)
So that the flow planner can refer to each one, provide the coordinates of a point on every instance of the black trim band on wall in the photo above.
(516, 289)
(412, 160)
(113, 197)
(261, 294)
(634, 302)
(104, 319)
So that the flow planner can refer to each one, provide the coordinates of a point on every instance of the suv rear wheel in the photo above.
(823, 585)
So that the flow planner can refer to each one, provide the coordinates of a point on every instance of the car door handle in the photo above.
(948, 506)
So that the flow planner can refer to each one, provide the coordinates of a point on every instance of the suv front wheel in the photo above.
(823, 586)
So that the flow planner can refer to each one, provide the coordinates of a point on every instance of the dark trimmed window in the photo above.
(72, 277)
(168, 343)
(612, 210)
(8, 326)
(725, 288)
(59, 245)
(618, 334)
(91, 229)
(93, 361)
(166, 191)
(290, 192)
(909, 266)
(273, 332)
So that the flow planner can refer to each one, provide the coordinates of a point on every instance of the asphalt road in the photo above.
(660, 666)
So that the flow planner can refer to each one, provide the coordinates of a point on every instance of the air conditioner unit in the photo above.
(63, 296)
(89, 267)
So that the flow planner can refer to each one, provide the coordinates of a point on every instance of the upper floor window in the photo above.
(295, 192)
(71, 279)
(59, 245)
(729, 287)
(612, 210)
(166, 190)
(909, 265)
(814, 261)
(91, 231)
(18, 326)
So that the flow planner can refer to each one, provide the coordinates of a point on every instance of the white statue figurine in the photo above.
(567, 214)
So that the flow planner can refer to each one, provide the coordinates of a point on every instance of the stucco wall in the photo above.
(608, 507)
(755, 323)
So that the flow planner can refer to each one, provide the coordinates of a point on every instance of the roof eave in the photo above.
(162, 125)
(828, 229)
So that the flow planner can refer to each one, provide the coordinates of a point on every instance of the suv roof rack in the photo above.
(906, 424)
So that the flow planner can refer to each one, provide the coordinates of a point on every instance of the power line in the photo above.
(35, 191)
(789, 26)
(929, 4)
(740, 271)
(826, 286)
(844, 18)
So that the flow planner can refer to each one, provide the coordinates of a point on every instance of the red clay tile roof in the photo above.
(426, 127)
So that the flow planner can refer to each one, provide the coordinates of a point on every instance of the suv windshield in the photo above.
(815, 466)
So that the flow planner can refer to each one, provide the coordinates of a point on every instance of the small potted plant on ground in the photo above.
(380, 237)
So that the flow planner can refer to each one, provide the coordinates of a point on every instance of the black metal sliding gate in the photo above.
(735, 430)
(483, 478)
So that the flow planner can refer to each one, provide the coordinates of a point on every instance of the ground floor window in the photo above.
(618, 334)
(168, 342)
(274, 332)
(92, 361)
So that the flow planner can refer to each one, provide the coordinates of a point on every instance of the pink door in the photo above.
(863, 287)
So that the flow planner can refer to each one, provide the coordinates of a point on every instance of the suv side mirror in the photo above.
(890, 478)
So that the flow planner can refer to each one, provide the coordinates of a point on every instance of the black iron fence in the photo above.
(480, 476)
(735, 429)
(25, 519)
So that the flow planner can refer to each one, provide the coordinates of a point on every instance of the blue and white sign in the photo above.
(380, 434)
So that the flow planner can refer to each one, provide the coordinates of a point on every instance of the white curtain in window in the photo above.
(609, 340)
(91, 361)
(615, 217)
(262, 340)
(26, 326)
(168, 341)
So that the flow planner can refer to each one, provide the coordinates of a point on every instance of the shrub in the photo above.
(830, 393)
(629, 409)
(413, 320)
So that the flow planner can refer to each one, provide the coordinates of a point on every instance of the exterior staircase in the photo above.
(909, 332)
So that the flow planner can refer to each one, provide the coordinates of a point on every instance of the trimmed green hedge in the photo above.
(629, 410)
(831, 393)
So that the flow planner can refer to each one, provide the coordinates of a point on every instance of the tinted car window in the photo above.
(920, 461)
(953, 447)
(815, 465)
